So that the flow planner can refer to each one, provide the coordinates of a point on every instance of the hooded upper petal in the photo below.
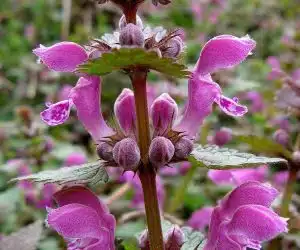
(57, 113)
(125, 111)
(223, 51)
(201, 96)
(86, 96)
(62, 57)
(251, 192)
(83, 196)
(255, 223)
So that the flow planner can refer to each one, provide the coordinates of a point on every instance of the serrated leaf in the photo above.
(26, 238)
(194, 240)
(127, 58)
(90, 173)
(214, 157)
(264, 145)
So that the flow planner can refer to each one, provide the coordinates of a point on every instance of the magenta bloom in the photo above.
(220, 52)
(82, 219)
(244, 219)
(75, 159)
(200, 218)
(239, 176)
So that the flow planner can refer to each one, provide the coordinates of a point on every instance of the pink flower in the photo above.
(82, 219)
(200, 218)
(243, 219)
(238, 176)
(75, 159)
(220, 52)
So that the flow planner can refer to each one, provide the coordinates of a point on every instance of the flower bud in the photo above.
(131, 35)
(281, 137)
(124, 109)
(296, 157)
(163, 112)
(161, 151)
(222, 137)
(183, 148)
(104, 151)
(174, 238)
(126, 154)
(172, 48)
(123, 23)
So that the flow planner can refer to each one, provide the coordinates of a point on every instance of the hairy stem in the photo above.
(147, 173)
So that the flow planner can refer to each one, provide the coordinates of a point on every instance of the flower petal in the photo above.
(62, 57)
(163, 112)
(75, 221)
(231, 106)
(124, 109)
(201, 96)
(220, 177)
(223, 51)
(251, 192)
(200, 218)
(251, 174)
(57, 113)
(255, 223)
(87, 98)
(82, 195)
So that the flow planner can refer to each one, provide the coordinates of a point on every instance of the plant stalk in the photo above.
(275, 244)
(147, 173)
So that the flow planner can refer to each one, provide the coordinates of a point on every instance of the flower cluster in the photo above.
(172, 133)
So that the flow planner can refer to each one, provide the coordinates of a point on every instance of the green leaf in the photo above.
(264, 145)
(194, 240)
(26, 238)
(128, 58)
(214, 157)
(90, 173)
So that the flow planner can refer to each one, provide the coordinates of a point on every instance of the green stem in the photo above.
(288, 192)
(181, 190)
(147, 173)
(275, 244)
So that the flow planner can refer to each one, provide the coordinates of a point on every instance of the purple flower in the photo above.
(82, 219)
(256, 101)
(200, 218)
(75, 159)
(222, 137)
(62, 57)
(244, 219)
(239, 176)
(220, 52)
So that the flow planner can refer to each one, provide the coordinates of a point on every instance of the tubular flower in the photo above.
(82, 219)
(243, 219)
